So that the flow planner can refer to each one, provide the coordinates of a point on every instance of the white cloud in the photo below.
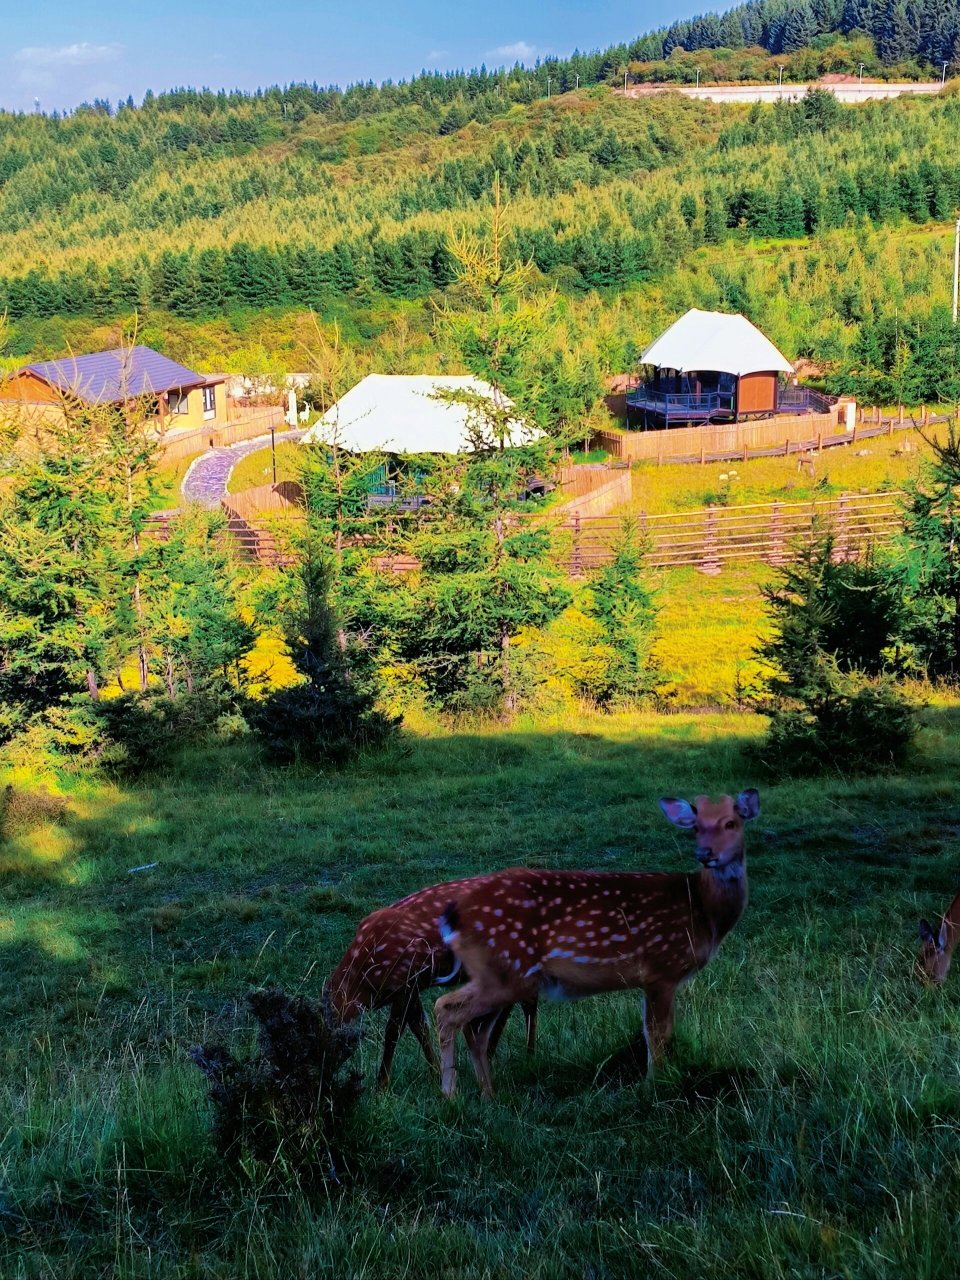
(81, 54)
(519, 51)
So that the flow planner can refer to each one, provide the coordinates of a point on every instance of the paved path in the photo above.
(207, 477)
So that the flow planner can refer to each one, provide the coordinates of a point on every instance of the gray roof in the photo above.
(106, 377)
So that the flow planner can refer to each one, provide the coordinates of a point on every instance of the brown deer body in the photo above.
(569, 934)
(936, 949)
(396, 954)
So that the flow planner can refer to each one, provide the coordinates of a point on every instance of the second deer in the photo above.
(397, 953)
(936, 949)
(568, 934)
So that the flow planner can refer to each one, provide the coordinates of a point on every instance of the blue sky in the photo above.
(66, 51)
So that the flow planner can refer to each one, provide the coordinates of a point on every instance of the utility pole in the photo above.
(956, 271)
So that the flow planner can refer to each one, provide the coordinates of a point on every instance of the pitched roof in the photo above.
(105, 377)
(399, 413)
(717, 341)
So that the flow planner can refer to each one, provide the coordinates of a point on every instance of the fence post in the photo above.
(853, 438)
(745, 451)
(776, 556)
(924, 413)
(841, 532)
(703, 457)
(576, 557)
(819, 442)
(710, 562)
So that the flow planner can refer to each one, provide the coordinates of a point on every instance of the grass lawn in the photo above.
(874, 465)
(257, 468)
(807, 1125)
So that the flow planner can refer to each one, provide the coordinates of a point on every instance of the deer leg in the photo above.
(454, 1012)
(417, 1022)
(395, 1024)
(529, 1008)
(478, 1037)
(495, 1030)
(658, 1019)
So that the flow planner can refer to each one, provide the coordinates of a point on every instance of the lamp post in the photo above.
(624, 82)
(956, 271)
(578, 82)
(861, 75)
(698, 77)
(943, 75)
(548, 86)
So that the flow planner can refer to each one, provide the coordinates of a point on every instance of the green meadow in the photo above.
(806, 1124)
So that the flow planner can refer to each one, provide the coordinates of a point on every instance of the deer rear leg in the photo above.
(394, 1028)
(478, 1035)
(417, 1022)
(454, 1012)
(529, 1008)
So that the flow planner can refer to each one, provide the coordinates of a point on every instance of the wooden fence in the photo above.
(715, 536)
(254, 423)
(594, 491)
(707, 539)
(769, 438)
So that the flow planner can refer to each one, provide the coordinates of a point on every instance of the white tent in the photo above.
(397, 413)
(716, 341)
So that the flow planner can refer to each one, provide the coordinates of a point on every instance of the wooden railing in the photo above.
(707, 539)
(715, 536)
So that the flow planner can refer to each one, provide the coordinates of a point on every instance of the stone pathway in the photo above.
(207, 477)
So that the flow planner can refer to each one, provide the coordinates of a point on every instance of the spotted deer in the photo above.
(396, 954)
(936, 949)
(522, 934)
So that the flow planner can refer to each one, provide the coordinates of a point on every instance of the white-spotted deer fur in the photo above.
(936, 949)
(397, 953)
(568, 934)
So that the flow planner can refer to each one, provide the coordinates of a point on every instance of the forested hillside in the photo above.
(211, 216)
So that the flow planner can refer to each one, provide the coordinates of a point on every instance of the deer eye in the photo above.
(730, 824)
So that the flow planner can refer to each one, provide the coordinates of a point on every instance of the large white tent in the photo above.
(399, 413)
(717, 341)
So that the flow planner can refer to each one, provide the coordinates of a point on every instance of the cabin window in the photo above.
(209, 402)
(177, 402)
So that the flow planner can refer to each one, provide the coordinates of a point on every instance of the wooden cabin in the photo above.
(709, 366)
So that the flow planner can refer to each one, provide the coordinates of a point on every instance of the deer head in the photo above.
(717, 824)
(933, 962)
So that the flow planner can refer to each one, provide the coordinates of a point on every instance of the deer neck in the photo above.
(723, 893)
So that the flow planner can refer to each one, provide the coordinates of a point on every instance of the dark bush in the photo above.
(145, 729)
(292, 1099)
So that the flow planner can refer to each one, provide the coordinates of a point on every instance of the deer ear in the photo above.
(926, 933)
(747, 804)
(680, 812)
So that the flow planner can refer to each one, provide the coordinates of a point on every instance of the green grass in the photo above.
(807, 1125)
(257, 468)
(875, 465)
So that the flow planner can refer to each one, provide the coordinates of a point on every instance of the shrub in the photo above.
(144, 729)
(849, 724)
(292, 1098)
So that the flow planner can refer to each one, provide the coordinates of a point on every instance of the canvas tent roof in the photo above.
(717, 341)
(399, 414)
(105, 377)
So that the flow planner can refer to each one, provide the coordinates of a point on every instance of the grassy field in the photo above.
(257, 468)
(808, 1124)
(877, 464)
